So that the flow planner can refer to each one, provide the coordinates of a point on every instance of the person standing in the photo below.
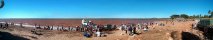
(62, 28)
(146, 28)
(57, 28)
(21, 25)
(6, 25)
(52, 27)
(1, 25)
(134, 30)
(126, 29)
(74, 29)
(48, 27)
(129, 30)
(69, 28)
(77, 28)
(139, 28)
(123, 27)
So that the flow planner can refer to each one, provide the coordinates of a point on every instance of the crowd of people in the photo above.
(88, 28)
(4, 25)
(132, 29)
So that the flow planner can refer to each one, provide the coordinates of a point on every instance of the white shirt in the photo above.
(98, 34)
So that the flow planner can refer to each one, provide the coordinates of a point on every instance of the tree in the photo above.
(184, 16)
(174, 16)
(211, 14)
(206, 16)
(197, 16)
(2, 4)
(191, 17)
(194, 16)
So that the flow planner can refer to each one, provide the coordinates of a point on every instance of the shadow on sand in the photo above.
(8, 36)
(189, 36)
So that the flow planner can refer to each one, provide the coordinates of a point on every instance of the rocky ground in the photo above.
(178, 31)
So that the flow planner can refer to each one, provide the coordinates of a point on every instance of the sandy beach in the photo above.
(172, 30)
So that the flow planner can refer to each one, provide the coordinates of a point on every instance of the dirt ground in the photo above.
(171, 31)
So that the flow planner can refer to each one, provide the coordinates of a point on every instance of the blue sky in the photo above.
(103, 8)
